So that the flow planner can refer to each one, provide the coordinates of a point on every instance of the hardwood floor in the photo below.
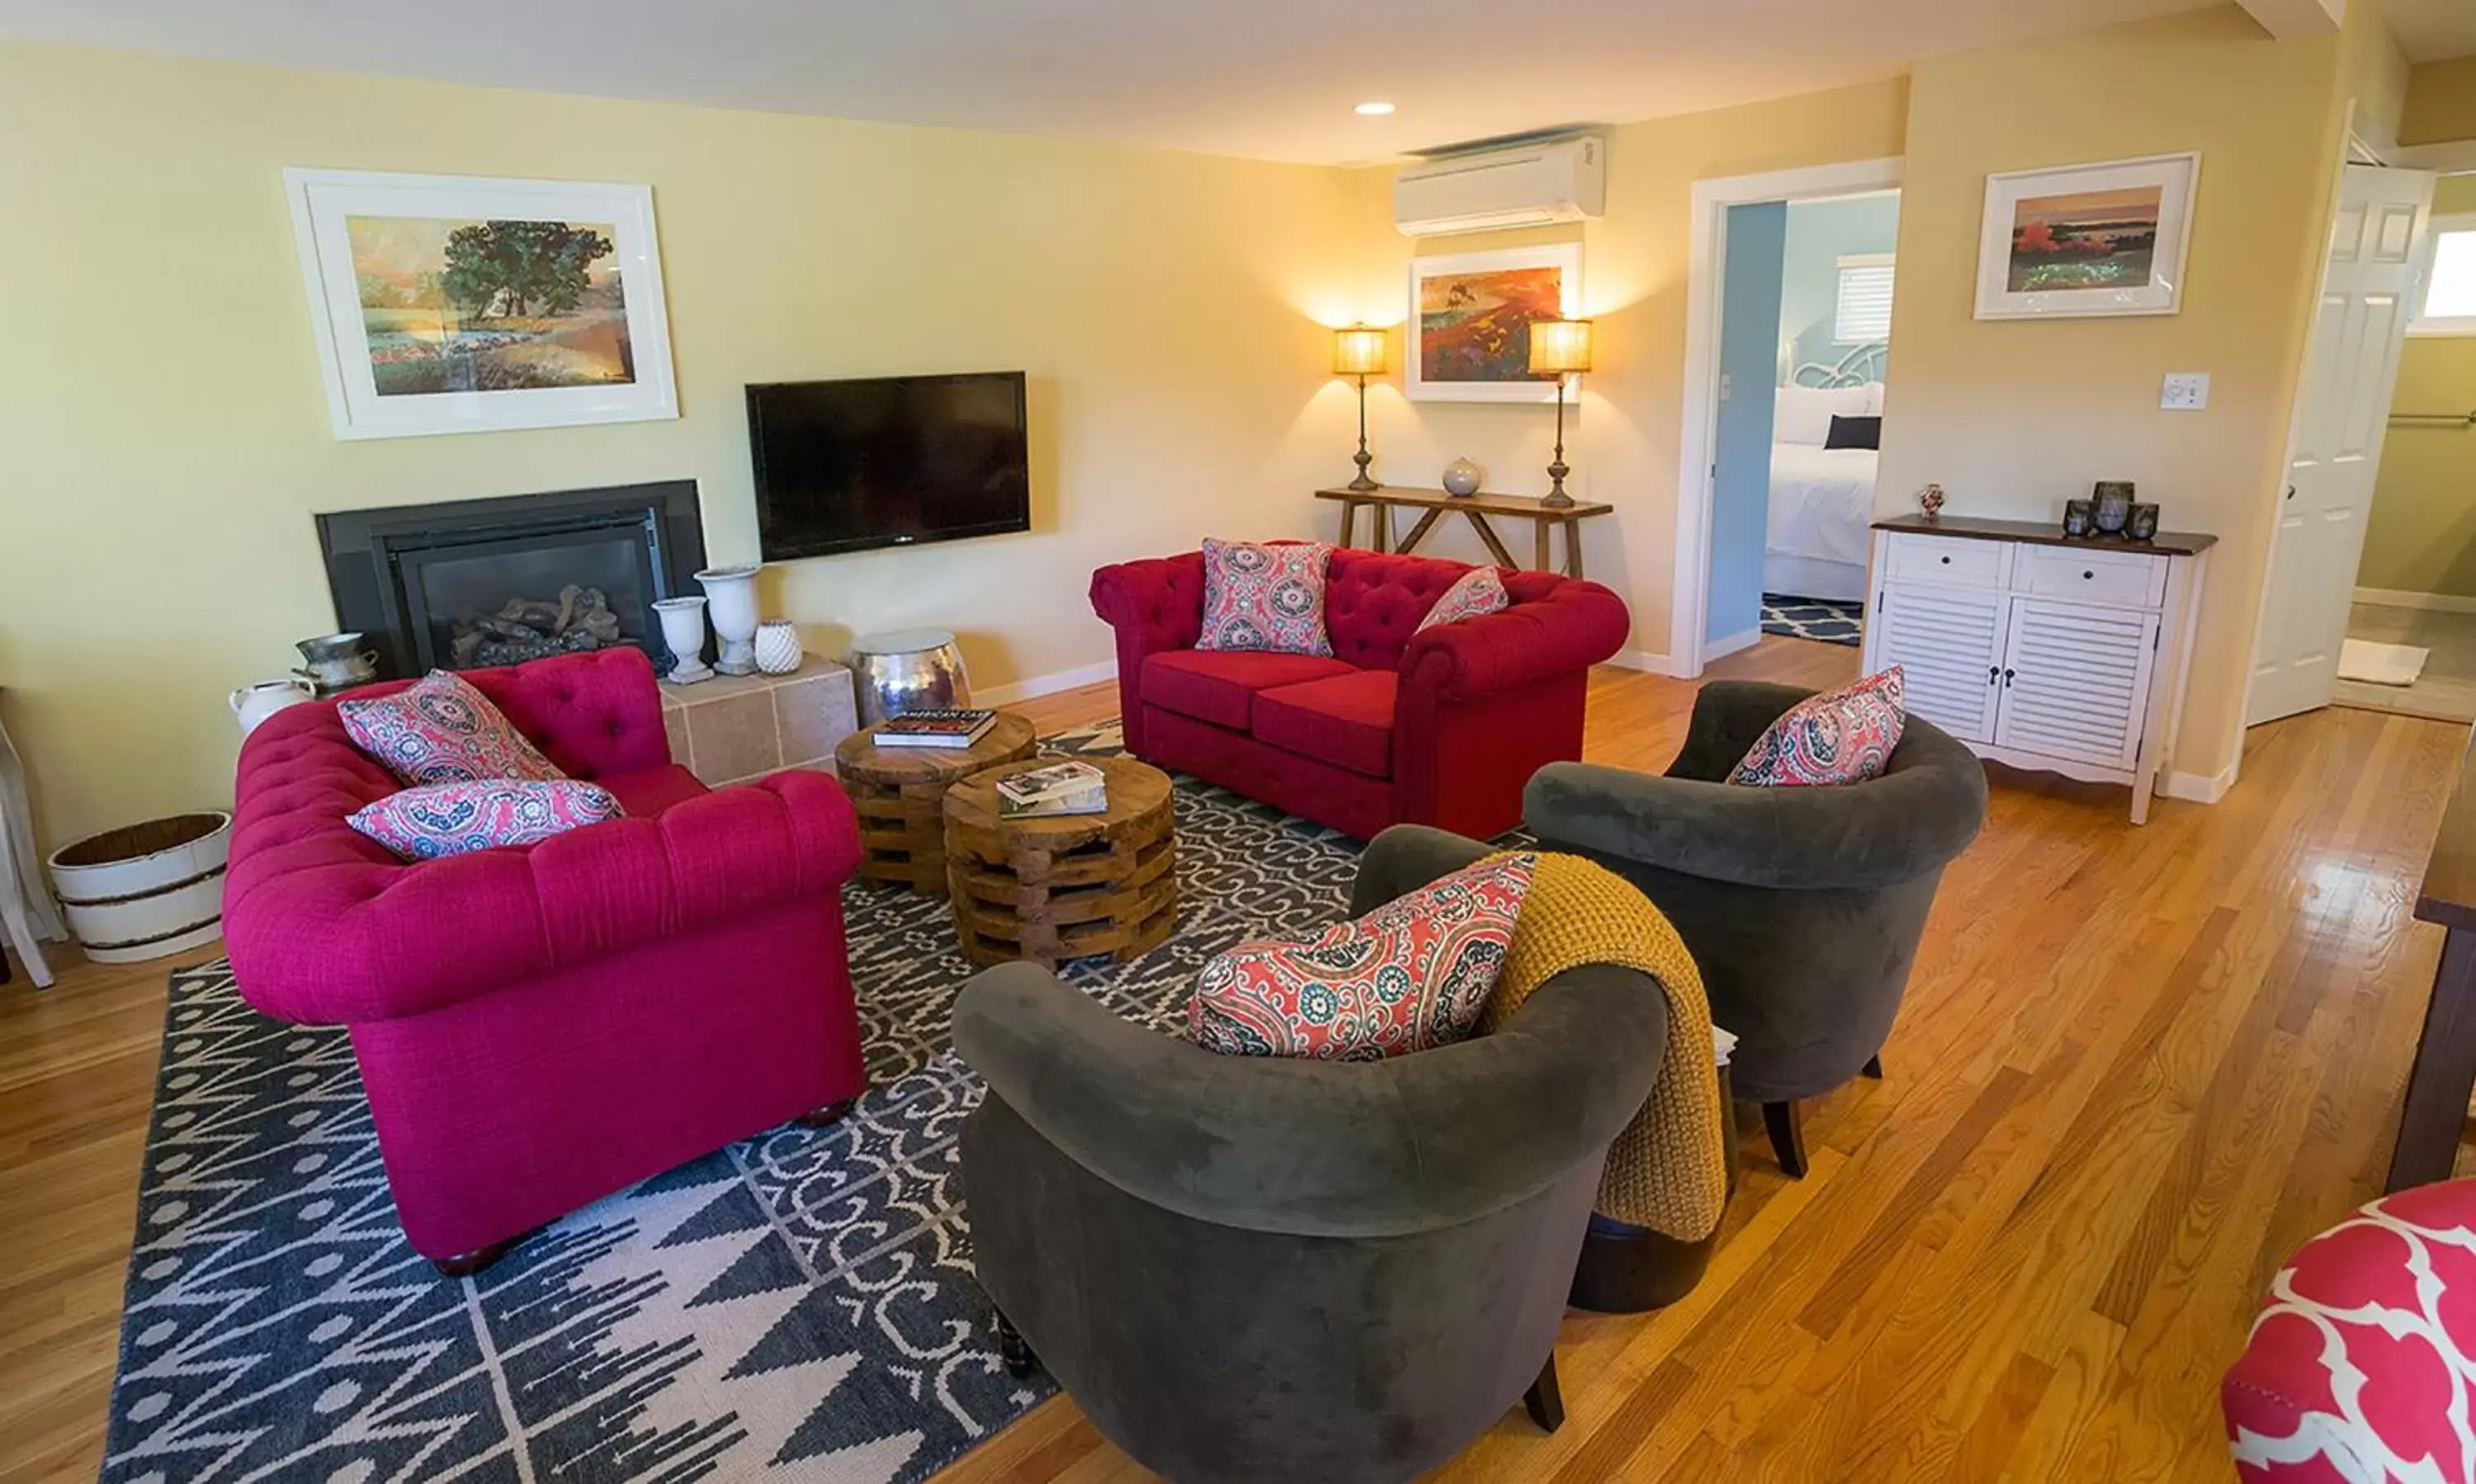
(2135, 1066)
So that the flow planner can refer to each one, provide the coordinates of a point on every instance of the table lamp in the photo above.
(1559, 348)
(1359, 351)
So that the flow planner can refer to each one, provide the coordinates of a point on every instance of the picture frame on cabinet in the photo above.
(2077, 241)
(446, 304)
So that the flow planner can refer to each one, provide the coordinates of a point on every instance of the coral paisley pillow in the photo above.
(1411, 975)
(442, 731)
(1268, 598)
(450, 819)
(1480, 593)
(2354, 1370)
(1840, 737)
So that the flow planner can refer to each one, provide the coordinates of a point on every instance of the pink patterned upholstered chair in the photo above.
(2358, 1367)
(538, 1028)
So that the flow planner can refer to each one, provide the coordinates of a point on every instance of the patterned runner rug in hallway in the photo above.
(1825, 619)
(799, 1306)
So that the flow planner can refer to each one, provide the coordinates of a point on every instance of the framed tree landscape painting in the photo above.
(2087, 239)
(1470, 321)
(461, 303)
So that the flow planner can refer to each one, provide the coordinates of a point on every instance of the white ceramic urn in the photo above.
(252, 704)
(683, 635)
(730, 602)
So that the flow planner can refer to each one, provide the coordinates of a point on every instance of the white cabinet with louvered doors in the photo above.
(2066, 658)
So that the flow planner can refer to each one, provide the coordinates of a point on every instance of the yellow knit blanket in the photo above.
(1666, 1170)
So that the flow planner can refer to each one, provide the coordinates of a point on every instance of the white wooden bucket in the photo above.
(146, 890)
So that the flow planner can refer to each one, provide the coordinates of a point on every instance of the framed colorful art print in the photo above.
(2084, 240)
(1470, 321)
(463, 303)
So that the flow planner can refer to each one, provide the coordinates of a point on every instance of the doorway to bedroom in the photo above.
(1804, 331)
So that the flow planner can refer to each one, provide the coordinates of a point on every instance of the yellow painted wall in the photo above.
(2421, 535)
(2440, 103)
(164, 438)
(2014, 417)
(1621, 436)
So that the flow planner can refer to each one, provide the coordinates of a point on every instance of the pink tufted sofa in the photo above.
(1441, 728)
(539, 1028)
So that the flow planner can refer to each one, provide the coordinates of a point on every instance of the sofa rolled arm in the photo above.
(1311, 1147)
(1155, 604)
(1907, 823)
(1575, 625)
(342, 941)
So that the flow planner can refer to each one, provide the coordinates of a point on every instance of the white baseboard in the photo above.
(2198, 787)
(1721, 649)
(1043, 684)
(2400, 597)
(1644, 660)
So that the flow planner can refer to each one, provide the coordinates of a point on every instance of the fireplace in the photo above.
(469, 583)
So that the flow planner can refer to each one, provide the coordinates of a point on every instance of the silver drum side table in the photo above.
(907, 669)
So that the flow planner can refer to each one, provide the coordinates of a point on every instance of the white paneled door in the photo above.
(2376, 250)
(1948, 644)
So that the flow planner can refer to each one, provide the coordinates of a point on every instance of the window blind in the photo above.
(1864, 314)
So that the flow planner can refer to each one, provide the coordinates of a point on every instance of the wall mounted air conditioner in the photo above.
(1529, 185)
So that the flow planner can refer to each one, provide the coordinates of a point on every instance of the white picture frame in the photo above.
(1501, 383)
(605, 362)
(2119, 281)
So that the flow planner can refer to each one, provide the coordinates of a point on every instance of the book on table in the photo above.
(1059, 788)
(946, 727)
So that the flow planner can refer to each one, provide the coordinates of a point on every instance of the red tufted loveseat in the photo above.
(1441, 728)
(541, 1027)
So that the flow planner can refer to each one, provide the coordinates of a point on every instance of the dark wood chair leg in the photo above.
(829, 1116)
(1013, 1349)
(1788, 1137)
(1874, 1067)
(1545, 1403)
(463, 1265)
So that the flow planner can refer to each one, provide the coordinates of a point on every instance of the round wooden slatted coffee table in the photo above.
(899, 791)
(1063, 886)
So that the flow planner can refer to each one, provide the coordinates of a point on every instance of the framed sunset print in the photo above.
(1470, 321)
(463, 303)
(2084, 240)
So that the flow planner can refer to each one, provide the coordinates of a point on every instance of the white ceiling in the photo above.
(1273, 79)
(2432, 29)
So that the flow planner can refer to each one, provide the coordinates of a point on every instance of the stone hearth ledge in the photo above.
(732, 729)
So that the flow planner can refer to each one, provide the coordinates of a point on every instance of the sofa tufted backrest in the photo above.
(1374, 600)
(592, 714)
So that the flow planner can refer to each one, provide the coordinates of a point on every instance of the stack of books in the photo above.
(951, 728)
(1059, 788)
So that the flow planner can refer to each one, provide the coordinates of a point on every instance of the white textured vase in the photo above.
(731, 599)
(683, 635)
(777, 646)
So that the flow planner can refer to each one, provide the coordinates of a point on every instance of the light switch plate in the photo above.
(2186, 392)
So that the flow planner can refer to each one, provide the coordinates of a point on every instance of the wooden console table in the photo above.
(2444, 1070)
(1384, 499)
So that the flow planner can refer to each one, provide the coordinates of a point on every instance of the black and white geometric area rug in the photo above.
(799, 1306)
(1825, 619)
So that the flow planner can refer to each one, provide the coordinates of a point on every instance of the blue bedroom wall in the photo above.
(1749, 338)
(1820, 232)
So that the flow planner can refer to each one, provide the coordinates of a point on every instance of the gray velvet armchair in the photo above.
(1252, 1269)
(1802, 906)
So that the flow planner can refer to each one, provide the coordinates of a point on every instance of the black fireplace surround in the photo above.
(467, 583)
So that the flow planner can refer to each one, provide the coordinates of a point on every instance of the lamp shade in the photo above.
(1358, 351)
(1558, 346)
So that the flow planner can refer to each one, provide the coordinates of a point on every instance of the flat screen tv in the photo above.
(844, 466)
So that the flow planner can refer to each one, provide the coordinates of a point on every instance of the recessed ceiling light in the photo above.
(1374, 110)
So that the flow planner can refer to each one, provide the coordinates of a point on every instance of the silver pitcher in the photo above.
(337, 662)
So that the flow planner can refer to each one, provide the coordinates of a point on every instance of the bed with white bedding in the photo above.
(1821, 499)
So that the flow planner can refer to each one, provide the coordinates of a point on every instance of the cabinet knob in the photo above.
(2087, 576)
(1946, 561)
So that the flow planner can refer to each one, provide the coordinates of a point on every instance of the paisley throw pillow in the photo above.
(442, 731)
(450, 819)
(1840, 737)
(1480, 593)
(1263, 597)
(1413, 974)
